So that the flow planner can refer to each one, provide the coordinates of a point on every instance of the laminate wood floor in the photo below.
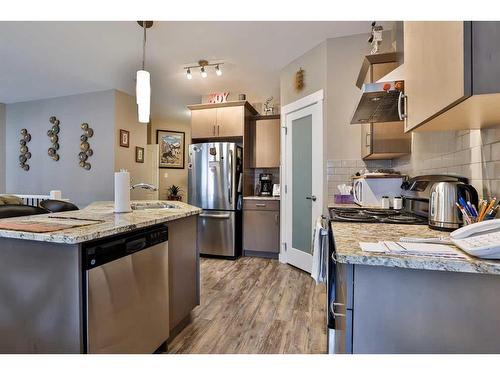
(255, 305)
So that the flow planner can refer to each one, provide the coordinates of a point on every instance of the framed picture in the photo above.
(139, 154)
(172, 148)
(124, 138)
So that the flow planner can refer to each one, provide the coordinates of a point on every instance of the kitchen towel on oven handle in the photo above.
(320, 250)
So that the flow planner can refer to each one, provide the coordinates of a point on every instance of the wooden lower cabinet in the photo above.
(183, 271)
(261, 228)
(390, 310)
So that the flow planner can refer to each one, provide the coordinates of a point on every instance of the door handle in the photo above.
(214, 131)
(230, 188)
(312, 197)
(216, 216)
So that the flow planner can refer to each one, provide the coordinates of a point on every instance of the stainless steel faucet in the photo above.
(143, 185)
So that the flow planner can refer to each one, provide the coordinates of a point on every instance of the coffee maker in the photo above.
(266, 184)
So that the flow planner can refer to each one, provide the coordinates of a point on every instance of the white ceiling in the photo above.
(51, 59)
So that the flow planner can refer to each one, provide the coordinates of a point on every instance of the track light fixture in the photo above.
(202, 65)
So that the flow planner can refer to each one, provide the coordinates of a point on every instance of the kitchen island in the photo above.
(45, 286)
(387, 303)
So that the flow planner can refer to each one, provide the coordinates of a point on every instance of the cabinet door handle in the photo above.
(218, 132)
(277, 218)
(338, 315)
(368, 140)
(214, 131)
(260, 205)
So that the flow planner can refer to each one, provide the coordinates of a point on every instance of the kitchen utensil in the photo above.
(397, 203)
(443, 212)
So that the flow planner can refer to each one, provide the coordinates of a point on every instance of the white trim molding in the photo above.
(300, 259)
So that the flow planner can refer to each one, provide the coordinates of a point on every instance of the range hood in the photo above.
(379, 102)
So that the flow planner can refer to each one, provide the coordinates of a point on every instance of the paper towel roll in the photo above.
(122, 192)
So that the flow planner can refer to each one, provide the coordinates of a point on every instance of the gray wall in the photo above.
(2, 148)
(313, 62)
(77, 184)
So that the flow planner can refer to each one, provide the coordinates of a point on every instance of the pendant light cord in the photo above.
(144, 46)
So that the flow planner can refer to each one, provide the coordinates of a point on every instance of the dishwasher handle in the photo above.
(135, 245)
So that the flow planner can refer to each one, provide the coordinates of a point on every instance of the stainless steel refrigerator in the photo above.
(214, 184)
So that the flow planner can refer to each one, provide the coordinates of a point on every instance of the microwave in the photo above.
(368, 191)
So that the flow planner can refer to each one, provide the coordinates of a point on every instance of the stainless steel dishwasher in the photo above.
(127, 292)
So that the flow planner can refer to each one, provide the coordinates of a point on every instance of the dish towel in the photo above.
(320, 250)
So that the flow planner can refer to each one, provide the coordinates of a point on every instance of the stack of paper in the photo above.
(415, 249)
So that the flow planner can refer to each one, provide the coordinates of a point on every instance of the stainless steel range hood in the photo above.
(379, 102)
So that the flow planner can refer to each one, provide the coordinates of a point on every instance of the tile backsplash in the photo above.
(474, 154)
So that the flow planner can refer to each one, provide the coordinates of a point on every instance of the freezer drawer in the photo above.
(217, 233)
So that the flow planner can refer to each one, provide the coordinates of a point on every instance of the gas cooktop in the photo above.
(374, 215)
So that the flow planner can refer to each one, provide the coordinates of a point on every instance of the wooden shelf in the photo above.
(234, 103)
(265, 117)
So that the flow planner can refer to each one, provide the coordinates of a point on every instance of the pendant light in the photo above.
(143, 81)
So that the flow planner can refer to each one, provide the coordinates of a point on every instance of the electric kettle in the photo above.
(443, 211)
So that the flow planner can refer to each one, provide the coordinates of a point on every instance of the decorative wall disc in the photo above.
(25, 155)
(52, 133)
(85, 150)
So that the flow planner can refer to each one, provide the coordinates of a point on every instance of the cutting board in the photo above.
(37, 226)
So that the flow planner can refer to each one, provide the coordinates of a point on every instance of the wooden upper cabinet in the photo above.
(437, 68)
(230, 121)
(223, 120)
(386, 140)
(203, 123)
(266, 144)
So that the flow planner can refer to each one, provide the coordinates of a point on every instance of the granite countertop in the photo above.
(348, 235)
(111, 223)
(262, 198)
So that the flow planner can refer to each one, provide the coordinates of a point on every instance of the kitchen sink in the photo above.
(154, 206)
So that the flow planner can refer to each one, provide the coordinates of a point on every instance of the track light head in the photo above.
(203, 72)
(188, 74)
(218, 71)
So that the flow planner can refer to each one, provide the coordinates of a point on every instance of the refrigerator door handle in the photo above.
(216, 216)
(230, 189)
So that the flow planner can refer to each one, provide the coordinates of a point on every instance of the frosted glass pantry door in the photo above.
(302, 162)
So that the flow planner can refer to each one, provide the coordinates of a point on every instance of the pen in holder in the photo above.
(485, 210)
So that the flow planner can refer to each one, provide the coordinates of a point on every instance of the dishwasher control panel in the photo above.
(108, 249)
